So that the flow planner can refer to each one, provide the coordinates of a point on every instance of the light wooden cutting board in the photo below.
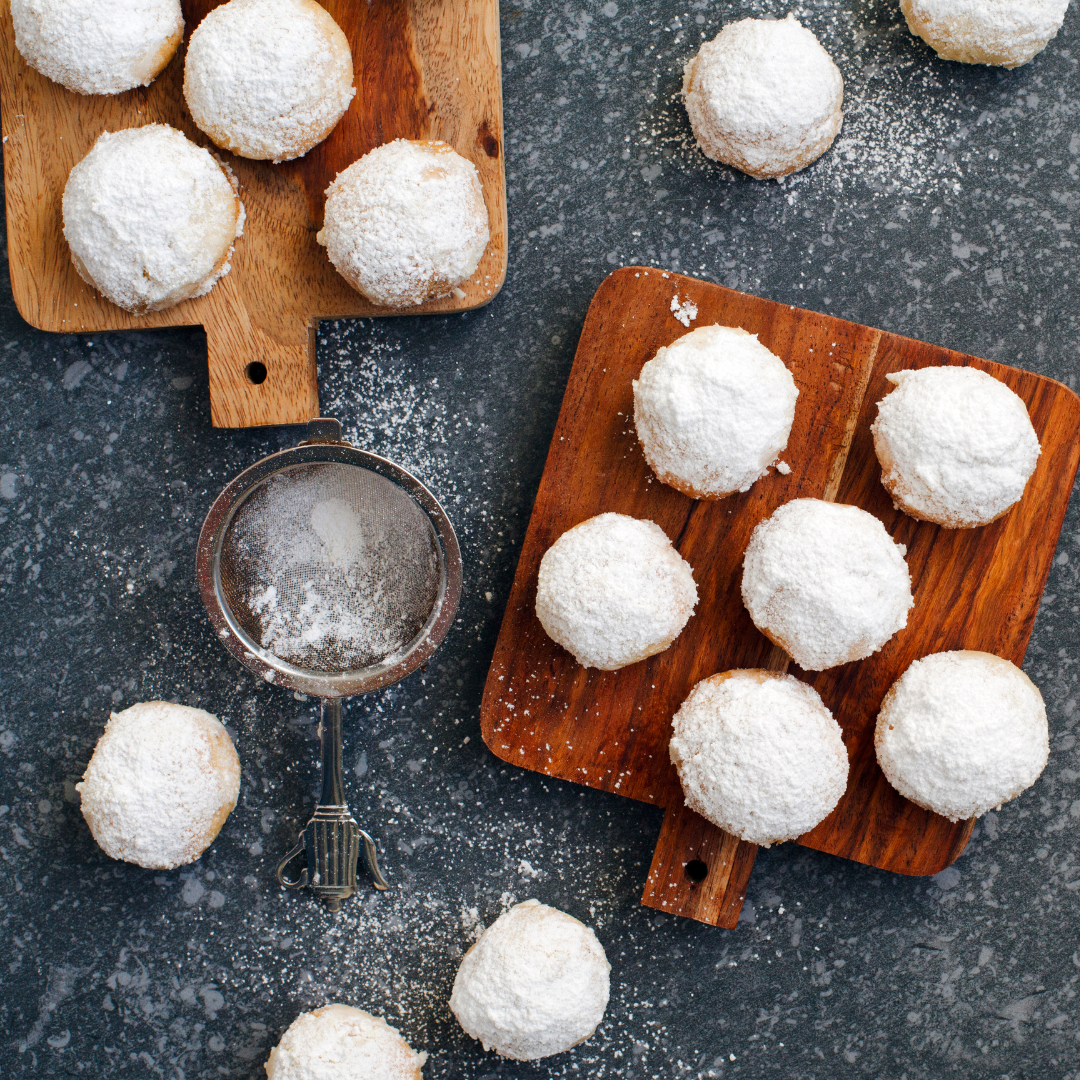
(425, 69)
(974, 588)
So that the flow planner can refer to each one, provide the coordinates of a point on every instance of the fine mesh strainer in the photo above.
(331, 571)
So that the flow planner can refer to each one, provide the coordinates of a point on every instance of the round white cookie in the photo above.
(764, 96)
(150, 218)
(613, 591)
(535, 984)
(759, 755)
(268, 79)
(162, 780)
(406, 223)
(960, 733)
(956, 445)
(713, 411)
(1006, 33)
(338, 1042)
(98, 46)
(826, 582)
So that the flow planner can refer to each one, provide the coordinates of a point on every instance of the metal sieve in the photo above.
(331, 571)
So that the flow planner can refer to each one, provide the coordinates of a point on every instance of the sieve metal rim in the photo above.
(263, 663)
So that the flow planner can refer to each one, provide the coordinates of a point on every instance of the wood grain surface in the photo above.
(975, 589)
(425, 69)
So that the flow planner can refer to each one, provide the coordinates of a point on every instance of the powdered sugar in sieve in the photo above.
(331, 567)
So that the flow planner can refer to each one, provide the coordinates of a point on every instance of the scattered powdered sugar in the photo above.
(535, 984)
(335, 566)
(98, 46)
(759, 755)
(613, 591)
(956, 445)
(1003, 32)
(713, 410)
(160, 784)
(340, 1042)
(764, 96)
(783, 468)
(268, 79)
(150, 218)
(685, 312)
(406, 223)
(962, 732)
(826, 582)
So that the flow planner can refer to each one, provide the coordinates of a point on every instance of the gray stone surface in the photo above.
(945, 211)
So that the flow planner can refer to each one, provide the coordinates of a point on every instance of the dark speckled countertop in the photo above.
(947, 210)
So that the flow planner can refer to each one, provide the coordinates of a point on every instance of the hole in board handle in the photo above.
(256, 372)
(697, 871)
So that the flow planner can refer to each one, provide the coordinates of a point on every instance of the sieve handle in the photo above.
(326, 856)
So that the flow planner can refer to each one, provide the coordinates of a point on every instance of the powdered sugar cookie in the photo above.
(338, 1042)
(613, 591)
(150, 218)
(956, 445)
(960, 733)
(268, 79)
(759, 755)
(764, 96)
(1006, 33)
(535, 984)
(713, 411)
(98, 46)
(826, 582)
(406, 223)
(161, 782)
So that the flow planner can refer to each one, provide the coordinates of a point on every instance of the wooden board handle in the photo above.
(698, 871)
(257, 380)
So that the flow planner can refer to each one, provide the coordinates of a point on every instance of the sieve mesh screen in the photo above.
(331, 567)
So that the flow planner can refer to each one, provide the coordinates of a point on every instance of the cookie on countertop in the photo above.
(536, 983)
(1005, 33)
(339, 1042)
(162, 780)
(764, 96)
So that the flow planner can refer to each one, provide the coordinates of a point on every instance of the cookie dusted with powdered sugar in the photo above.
(1005, 33)
(825, 582)
(150, 218)
(960, 733)
(535, 984)
(268, 79)
(956, 445)
(713, 411)
(764, 96)
(759, 755)
(98, 46)
(613, 590)
(162, 780)
(339, 1042)
(406, 223)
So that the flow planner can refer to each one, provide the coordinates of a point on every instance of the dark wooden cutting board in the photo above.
(424, 69)
(974, 588)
